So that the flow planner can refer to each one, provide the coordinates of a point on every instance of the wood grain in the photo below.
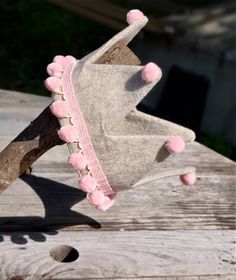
(123, 255)
(127, 242)
(153, 205)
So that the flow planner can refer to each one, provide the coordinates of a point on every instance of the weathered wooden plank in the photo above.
(214, 277)
(104, 255)
(47, 200)
(17, 110)
(39, 201)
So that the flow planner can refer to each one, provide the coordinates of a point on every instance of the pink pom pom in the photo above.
(134, 16)
(151, 72)
(188, 179)
(107, 203)
(77, 161)
(88, 184)
(68, 134)
(55, 69)
(53, 84)
(175, 145)
(60, 59)
(70, 59)
(60, 109)
(96, 198)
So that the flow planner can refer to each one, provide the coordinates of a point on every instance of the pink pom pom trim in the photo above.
(151, 72)
(70, 59)
(188, 179)
(60, 59)
(95, 183)
(77, 161)
(68, 134)
(55, 69)
(88, 184)
(107, 203)
(53, 84)
(175, 145)
(60, 109)
(96, 198)
(134, 16)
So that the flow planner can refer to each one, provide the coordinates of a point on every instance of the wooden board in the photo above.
(123, 255)
(128, 241)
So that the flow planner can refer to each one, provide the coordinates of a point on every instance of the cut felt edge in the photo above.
(161, 174)
(125, 36)
(130, 90)
(159, 126)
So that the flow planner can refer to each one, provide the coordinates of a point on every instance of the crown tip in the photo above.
(151, 72)
(175, 144)
(134, 16)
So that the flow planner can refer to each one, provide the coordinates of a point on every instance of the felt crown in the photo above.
(112, 145)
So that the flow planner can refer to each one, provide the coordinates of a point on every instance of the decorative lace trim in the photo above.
(74, 131)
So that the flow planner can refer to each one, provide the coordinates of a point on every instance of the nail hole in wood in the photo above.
(64, 253)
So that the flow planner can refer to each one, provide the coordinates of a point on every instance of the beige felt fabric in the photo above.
(124, 36)
(128, 143)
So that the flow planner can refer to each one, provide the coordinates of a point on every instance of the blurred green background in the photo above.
(34, 31)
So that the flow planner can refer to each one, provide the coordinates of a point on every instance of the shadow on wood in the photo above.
(58, 213)
(36, 139)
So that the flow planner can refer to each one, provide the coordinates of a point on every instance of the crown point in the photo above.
(151, 72)
(188, 179)
(134, 16)
(175, 145)
(88, 184)
(96, 197)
